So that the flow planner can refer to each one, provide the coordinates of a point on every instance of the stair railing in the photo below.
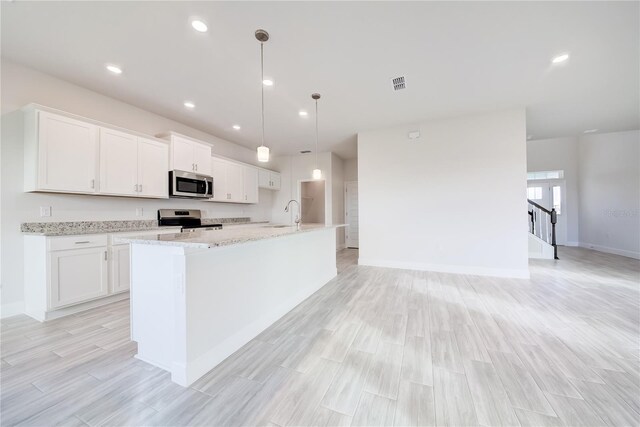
(542, 224)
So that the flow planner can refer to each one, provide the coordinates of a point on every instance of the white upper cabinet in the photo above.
(189, 155)
(61, 154)
(70, 155)
(118, 163)
(234, 182)
(133, 166)
(269, 179)
(250, 184)
(153, 165)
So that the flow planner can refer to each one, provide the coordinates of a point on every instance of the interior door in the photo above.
(153, 168)
(351, 214)
(118, 162)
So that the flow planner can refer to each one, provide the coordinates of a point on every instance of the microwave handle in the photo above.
(206, 187)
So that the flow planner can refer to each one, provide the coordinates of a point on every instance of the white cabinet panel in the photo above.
(153, 168)
(250, 185)
(182, 154)
(219, 173)
(202, 158)
(67, 154)
(120, 268)
(269, 179)
(275, 181)
(235, 182)
(77, 275)
(118, 162)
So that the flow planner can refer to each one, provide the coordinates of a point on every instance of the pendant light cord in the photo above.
(316, 134)
(262, 86)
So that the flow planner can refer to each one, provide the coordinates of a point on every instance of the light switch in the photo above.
(45, 210)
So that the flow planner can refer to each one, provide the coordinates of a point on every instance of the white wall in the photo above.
(560, 154)
(337, 208)
(21, 86)
(454, 200)
(312, 203)
(351, 170)
(609, 180)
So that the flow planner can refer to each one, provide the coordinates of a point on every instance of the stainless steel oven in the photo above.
(190, 185)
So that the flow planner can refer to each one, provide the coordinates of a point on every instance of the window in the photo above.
(532, 176)
(557, 198)
(534, 193)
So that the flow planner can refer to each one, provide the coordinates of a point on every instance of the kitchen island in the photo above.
(198, 297)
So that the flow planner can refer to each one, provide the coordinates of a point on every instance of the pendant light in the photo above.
(317, 173)
(262, 36)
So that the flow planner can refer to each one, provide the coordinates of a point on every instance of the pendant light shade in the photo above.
(317, 173)
(262, 36)
(263, 154)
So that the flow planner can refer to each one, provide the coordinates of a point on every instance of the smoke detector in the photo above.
(399, 83)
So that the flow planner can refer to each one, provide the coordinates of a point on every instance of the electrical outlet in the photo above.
(45, 210)
(139, 211)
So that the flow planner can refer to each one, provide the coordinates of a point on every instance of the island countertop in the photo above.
(204, 239)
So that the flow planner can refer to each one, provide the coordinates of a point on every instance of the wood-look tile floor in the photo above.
(373, 347)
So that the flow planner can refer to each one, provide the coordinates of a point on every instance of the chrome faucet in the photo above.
(297, 220)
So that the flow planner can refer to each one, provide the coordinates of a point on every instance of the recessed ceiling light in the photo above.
(199, 26)
(114, 69)
(236, 127)
(303, 113)
(591, 131)
(189, 104)
(560, 58)
(267, 82)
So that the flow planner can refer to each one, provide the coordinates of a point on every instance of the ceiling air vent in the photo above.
(305, 151)
(398, 83)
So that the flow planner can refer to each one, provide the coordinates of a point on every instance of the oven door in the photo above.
(190, 185)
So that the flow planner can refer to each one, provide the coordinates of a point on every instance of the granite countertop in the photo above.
(225, 237)
(72, 228)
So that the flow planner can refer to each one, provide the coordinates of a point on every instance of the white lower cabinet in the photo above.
(67, 274)
(120, 267)
(78, 275)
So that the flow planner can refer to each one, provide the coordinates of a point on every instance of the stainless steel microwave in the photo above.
(189, 185)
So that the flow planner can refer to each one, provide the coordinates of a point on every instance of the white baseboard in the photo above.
(455, 269)
(608, 250)
(11, 309)
(341, 247)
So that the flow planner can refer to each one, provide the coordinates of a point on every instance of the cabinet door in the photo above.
(118, 163)
(250, 185)
(264, 178)
(182, 155)
(202, 158)
(120, 268)
(77, 275)
(275, 181)
(219, 173)
(235, 182)
(68, 154)
(153, 168)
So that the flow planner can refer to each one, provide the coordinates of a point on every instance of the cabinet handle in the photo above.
(140, 190)
(93, 183)
(84, 241)
(193, 166)
(135, 187)
(196, 167)
(245, 197)
(105, 255)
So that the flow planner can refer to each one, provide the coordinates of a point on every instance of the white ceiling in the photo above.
(458, 58)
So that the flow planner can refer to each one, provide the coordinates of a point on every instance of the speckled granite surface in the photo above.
(71, 228)
(225, 237)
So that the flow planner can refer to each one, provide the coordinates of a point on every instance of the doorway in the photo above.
(351, 214)
(312, 202)
(550, 194)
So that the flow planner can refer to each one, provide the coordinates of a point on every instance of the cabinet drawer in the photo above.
(77, 242)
